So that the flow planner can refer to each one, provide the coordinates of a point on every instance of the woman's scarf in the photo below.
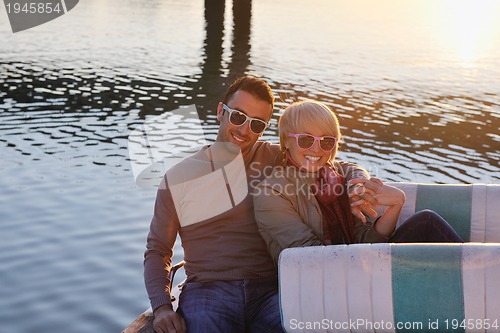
(331, 193)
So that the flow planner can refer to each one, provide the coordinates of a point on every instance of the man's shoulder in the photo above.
(187, 167)
(264, 151)
(267, 145)
(184, 162)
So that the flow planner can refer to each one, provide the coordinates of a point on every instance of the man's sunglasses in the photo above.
(306, 141)
(238, 118)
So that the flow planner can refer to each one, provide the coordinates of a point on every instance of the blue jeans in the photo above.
(425, 226)
(250, 305)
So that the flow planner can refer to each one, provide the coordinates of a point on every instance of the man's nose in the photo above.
(245, 128)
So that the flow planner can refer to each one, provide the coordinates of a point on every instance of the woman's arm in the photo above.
(279, 222)
(394, 198)
(389, 196)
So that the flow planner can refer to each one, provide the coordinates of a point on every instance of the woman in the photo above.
(306, 203)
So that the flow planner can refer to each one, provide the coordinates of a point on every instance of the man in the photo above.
(231, 279)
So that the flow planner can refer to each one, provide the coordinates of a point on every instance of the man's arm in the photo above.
(158, 260)
(351, 170)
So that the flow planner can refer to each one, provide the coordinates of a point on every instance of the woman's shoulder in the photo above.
(284, 181)
(276, 186)
(278, 176)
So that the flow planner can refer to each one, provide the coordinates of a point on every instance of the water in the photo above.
(416, 85)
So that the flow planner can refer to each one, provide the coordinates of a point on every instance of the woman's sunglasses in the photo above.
(306, 141)
(238, 118)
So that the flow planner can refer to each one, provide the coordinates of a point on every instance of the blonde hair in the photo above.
(301, 115)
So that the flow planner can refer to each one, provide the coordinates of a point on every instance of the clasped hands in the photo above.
(367, 194)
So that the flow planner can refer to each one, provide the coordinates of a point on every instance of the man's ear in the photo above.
(220, 111)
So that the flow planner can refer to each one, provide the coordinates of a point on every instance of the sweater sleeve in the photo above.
(366, 233)
(279, 223)
(351, 170)
(159, 248)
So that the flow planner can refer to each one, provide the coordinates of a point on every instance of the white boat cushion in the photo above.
(389, 287)
(471, 209)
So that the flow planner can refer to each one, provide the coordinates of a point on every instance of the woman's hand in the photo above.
(367, 194)
(362, 193)
(390, 196)
(377, 193)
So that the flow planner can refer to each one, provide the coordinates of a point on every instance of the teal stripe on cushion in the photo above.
(452, 202)
(427, 286)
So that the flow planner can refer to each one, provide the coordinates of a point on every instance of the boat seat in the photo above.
(472, 210)
(432, 287)
(426, 284)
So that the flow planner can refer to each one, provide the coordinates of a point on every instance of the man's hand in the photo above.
(168, 321)
(363, 196)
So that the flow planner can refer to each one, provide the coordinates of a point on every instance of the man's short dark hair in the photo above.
(257, 87)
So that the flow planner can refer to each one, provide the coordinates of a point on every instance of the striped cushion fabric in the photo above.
(391, 288)
(471, 209)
